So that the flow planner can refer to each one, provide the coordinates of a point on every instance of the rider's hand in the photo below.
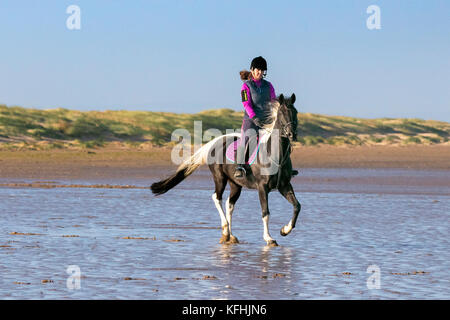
(257, 122)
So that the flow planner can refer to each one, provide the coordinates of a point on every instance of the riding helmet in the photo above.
(259, 63)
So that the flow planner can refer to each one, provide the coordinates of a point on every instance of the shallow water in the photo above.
(131, 245)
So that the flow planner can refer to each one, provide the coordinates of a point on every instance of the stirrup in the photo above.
(239, 172)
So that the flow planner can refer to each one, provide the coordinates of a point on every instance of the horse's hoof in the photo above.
(225, 239)
(233, 240)
(284, 234)
(272, 243)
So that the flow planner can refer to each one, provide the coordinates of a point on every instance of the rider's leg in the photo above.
(248, 130)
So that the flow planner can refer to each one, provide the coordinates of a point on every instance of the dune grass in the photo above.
(24, 128)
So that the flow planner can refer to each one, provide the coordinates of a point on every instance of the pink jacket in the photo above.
(248, 104)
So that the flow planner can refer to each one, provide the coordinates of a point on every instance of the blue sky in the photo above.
(185, 56)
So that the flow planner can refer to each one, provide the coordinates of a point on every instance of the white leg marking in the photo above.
(287, 228)
(266, 235)
(223, 219)
(230, 209)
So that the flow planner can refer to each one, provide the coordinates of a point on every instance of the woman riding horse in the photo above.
(256, 94)
(280, 132)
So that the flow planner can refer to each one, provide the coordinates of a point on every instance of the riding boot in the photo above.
(242, 152)
(239, 171)
(241, 168)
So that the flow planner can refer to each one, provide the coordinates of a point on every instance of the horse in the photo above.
(283, 120)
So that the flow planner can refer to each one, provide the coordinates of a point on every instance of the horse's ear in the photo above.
(293, 98)
(281, 99)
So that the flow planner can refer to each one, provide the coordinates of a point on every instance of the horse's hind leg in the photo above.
(220, 182)
(235, 192)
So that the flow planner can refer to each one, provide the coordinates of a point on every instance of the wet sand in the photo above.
(135, 164)
(128, 244)
(361, 206)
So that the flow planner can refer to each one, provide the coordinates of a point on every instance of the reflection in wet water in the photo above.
(131, 245)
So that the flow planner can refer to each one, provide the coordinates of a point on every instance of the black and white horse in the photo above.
(280, 132)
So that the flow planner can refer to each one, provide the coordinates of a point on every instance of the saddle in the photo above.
(231, 152)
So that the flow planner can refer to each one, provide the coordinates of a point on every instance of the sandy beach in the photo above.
(129, 244)
(132, 163)
(361, 206)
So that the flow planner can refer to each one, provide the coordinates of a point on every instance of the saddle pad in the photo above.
(230, 153)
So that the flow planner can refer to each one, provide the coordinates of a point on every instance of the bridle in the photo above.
(284, 128)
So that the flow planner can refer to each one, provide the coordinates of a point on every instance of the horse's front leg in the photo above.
(288, 192)
(263, 199)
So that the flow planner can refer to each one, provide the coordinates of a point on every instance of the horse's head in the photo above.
(287, 117)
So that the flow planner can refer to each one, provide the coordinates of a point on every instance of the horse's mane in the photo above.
(271, 116)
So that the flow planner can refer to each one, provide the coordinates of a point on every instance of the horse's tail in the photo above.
(165, 185)
(185, 169)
